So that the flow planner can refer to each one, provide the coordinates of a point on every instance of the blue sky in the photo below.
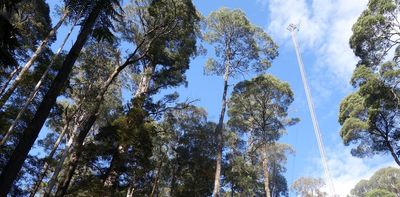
(325, 28)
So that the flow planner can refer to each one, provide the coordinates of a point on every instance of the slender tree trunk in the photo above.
(36, 89)
(53, 150)
(392, 151)
(155, 184)
(9, 78)
(144, 83)
(131, 189)
(76, 152)
(91, 117)
(265, 172)
(4, 98)
(30, 134)
(219, 133)
(111, 179)
(46, 164)
(173, 181)
(57, 170)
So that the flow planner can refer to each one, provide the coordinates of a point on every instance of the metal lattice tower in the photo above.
(293, 28)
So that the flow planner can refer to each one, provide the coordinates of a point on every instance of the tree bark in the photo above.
(36, 89)
(173, 180)
(4, 98)
(392, 151)
(30, 134)
(57, 170)
(75, 154)
(219, 133)
(130, 191)
(9, 78)
(155, 184)
(46, 164)
(265, 172)
(112, 175)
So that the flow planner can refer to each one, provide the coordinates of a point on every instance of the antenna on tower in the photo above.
(293, 29)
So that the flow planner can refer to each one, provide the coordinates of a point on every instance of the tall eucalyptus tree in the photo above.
(370, 116)
(240, 47)
(260, 107)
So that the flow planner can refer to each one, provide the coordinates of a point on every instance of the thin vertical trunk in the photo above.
(53, 150)
(90, 119)
(265, 172)
(144, 83)
(57, 170)
(9, 78)
(111, 179)
(173, 181)
(46, 164)
(75, 154)
(10, 172)
(36, 89)
(219, 133)
(155, 184)
(4, 98)
(131, 189)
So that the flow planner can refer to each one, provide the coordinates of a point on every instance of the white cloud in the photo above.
(347, 170)
(325, 28)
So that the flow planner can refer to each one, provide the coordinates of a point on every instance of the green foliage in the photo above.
(243, 176)
(376, 31)
(384, 182)
(380, 193)
(170, 28)
(369, 117)
(23, 24)
(309, 187)
(260, 106)
(238, 44)
(192, 147)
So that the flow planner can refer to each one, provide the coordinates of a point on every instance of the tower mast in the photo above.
(293, 28)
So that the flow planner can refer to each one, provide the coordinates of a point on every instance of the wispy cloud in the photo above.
(347, 170)
(325, 28)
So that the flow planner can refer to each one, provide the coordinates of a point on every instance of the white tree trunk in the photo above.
(35, 55)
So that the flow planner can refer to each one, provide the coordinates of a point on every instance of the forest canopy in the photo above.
(90, 101)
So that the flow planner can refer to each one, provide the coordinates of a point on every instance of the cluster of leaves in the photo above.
(258, 108)
(384, 182)
(309, 186)
(370, 116)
